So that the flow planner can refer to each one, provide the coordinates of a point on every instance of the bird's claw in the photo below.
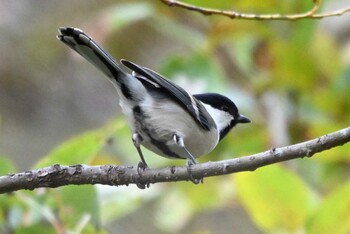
(194, 180)
(141, 167)
(141, 185)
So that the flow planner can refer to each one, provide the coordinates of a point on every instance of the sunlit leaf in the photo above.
(276, 198)
(333, 216)
(294, 67)
(322, 45)
(80, 149)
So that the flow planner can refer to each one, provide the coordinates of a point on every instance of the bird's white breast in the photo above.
(164, 119)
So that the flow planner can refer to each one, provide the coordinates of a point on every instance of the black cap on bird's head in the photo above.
(222, 103)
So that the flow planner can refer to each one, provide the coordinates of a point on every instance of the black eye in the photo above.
(224, 108)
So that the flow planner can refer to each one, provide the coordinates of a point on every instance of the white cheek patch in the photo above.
(222, 119)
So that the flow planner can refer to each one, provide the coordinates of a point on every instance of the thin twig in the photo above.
(58, 175)
(311, 14)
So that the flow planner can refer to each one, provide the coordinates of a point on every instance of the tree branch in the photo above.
(311, 14)
(58, 175)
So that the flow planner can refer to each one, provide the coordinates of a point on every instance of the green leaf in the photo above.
(79, 201)
(80, 149)
(294, 69)
(321, 45)
(198, 68)
(244, 140)
(275, 198)
(333, 216)
(127, 13)
(36, 228)
(6, 166)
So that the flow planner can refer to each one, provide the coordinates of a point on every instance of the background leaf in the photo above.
(333, 214)
(275, 198)
(80, 149)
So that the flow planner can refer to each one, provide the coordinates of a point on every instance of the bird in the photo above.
(162, 116)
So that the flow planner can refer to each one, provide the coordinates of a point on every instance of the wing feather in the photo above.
(194, 107)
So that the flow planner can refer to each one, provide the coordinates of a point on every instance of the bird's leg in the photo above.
(136, 139)
(191, 160)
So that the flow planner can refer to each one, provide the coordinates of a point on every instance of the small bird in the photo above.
(161, 115)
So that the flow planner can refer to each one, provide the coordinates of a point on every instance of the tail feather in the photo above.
(91, 51)
(128, 87)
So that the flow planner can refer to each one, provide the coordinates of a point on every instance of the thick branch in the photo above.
(57, 175)
(311, 14)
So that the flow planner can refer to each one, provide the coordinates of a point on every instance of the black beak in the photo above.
(243, 119)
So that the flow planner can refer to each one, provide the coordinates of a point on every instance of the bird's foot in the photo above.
(194, 180)
(141, 167)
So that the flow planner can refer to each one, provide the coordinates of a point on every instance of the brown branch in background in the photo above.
(57, 175)
(311, 14)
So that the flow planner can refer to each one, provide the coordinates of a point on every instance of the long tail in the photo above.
(76, 39)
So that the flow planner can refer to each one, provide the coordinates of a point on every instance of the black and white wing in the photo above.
(193, 106)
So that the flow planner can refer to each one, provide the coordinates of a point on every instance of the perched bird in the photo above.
(162, 116)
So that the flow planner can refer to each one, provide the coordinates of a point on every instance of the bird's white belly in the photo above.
(200, 145)
(175, 120)
(161, 121)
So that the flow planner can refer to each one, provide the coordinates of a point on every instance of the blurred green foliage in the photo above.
(296, 61)
(276, 197)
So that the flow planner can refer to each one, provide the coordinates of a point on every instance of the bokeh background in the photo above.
(291, 78)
